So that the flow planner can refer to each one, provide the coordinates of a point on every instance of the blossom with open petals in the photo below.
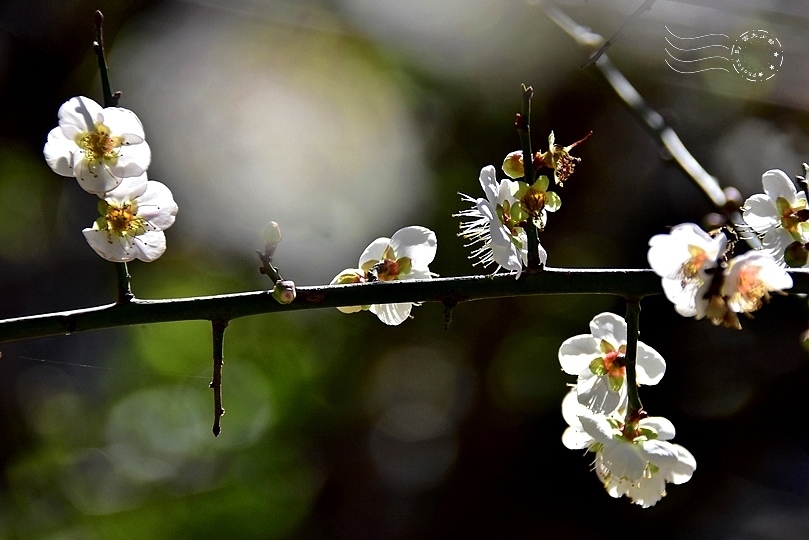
(685, 259)
(749, 278)
(597, 359)
(635, 460)
(405, 255)
(494, 225)
(780, 215)
(133, 218)
(98, 146)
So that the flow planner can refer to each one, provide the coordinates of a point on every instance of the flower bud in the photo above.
(284, 292)
(513, 165)
(272, 237)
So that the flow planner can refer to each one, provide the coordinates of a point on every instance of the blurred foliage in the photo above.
(337, 426)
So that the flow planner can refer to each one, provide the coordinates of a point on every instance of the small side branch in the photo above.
(218, 331)
(110, 98)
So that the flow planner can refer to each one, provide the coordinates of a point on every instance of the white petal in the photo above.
(598, 428)
(132, 160)
(417, 243)
(576, 353)
(663, 427)
(78, 115)
(660, 453)
(149, 246)
(94, 177)
(761, 213)
(777, 184)
(128, 190)
(157, 206)
(572, 410)
(647, 492)
(775, 242)
(682, 471)
(575, 439)
(594, 392)
(508, 257)
(488, 182)
(374, 251)
(58, 152)
(623, 460)
(110, 247)
(609, 327)
(123, 122)
(392, 314)
(650, 366)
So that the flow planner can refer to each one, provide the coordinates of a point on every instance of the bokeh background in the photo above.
(344, 120)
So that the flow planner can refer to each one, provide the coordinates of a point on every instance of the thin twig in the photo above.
(646, 6)
(218, 332)
(653, 122)
(523, 124)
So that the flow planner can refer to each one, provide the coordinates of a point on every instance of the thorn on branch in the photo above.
(449, 305)
(218, 331)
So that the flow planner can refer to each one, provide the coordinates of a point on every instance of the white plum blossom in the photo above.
(597, 359)
(405, 255)
(98, 146)
(635, 460)
(749, 278)
(133, 218)
(685, 259)
(779, 215)
(495, 226)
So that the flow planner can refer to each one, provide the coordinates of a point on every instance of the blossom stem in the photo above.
(124, 291)
(218, 331)
(635, 408)
(523, 125)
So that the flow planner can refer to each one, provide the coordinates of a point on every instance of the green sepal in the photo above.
(597, 367)
(103, 206)
(783, 206)
(606, 347)
(405, 265)
(552, 201)
(616, 382)
(542, 183)
(796, 255)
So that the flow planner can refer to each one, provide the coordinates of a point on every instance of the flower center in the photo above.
(123, 220)
(614, 363)
(99, 144)
(791, 218)
(751, 289)
(389, 267)
(692, 266)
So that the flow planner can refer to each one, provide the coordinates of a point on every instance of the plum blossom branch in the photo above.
(628, 283)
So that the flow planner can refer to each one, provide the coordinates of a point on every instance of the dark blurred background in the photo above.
(344, 120)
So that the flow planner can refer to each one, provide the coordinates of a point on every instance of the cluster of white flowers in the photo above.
(632, 454)
(106, 151)
(405, 255)
(698, 281)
